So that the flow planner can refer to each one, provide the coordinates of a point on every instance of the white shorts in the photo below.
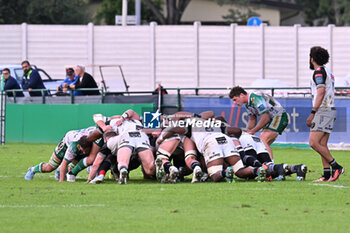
(217, 147)
(324, 120)
(135, 140)
(251, 142)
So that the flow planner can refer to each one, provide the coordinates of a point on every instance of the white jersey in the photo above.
(323, 77)
(75, 135)
(200, 134)
(126, 126)
(252, 142)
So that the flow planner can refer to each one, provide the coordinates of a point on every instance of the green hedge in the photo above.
(49, 123)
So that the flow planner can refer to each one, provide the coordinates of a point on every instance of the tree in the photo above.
(175, 10)
(324, 12)
(44, 12)
(244, 10)
(110, 8)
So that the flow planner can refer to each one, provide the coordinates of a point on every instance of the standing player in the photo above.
(323, 112)
(273, 117)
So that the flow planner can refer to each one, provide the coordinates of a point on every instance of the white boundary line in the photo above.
(333, 186)
(50, 206)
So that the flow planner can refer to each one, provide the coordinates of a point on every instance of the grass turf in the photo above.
(44, 205)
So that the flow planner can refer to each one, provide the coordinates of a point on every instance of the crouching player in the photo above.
(131, 140)
(179, 148)
(216, 148)
(256, 153)
(74, 143)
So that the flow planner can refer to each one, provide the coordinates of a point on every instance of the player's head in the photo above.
(238, 95)
(107, 135)
(84, 145)
(319, 55)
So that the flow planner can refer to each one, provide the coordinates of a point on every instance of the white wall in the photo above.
(178, 56)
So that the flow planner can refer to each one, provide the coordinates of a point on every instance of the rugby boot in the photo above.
(336, 174)
(281, 170)
(123, 176)
(30, 174)
(301, 172)
(321, 179)
(71, 177)
(261, 173)
(57, 174)
(229, 175)
(99, 179)
(197, 174)
(173, 173)
(159, 169)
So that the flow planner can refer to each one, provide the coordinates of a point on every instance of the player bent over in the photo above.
(70, 143)
(273, 117)
(130, 140)
(255, 152)
(216, 148)
(181, 148)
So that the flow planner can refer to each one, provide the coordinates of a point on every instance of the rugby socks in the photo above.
(223, 173)
(102, 172)
(194, 164)
(81, 165)
(251, 161)
(327, 173)
(335, 165)
(38, 168)
(166, 166)
(240, 151)
(264, 157)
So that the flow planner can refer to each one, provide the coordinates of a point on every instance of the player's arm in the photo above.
(319, 78)
(99, 159)
(100, 121)
(264, 120)
(68, 157)
(237, 132)
(130, 115)
(63, 169)
(251, 121)
(170, 131)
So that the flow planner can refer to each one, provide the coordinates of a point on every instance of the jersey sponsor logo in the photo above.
(318, 79)
(134, 134)
(261, 108)
(318, 75)
(221, 140)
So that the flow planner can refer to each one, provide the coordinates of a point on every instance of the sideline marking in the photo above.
(333, 186)
(50, 206)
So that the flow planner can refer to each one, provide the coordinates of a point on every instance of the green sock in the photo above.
(79, 167)
(38, 168)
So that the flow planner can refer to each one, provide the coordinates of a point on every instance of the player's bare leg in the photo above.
(268, 137)
(191, 160)
(123, 159)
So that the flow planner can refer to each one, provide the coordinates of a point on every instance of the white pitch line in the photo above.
(50, 206)
(333, 186)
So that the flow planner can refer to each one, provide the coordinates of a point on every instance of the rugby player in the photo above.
(273, 117)
(130, 140)
(323, 113)
(74, 143)
(216, 148)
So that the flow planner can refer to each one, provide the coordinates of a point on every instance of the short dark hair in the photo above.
(109, 134)
(320, 55)
(237, 91)
(25, 61)
(6, 69)
(84, 142)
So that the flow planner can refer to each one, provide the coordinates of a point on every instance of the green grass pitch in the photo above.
(44, 205)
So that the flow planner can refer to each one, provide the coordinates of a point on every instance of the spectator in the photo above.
(32, 80)
(86, 81)
(70, 79)
(10, 83)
